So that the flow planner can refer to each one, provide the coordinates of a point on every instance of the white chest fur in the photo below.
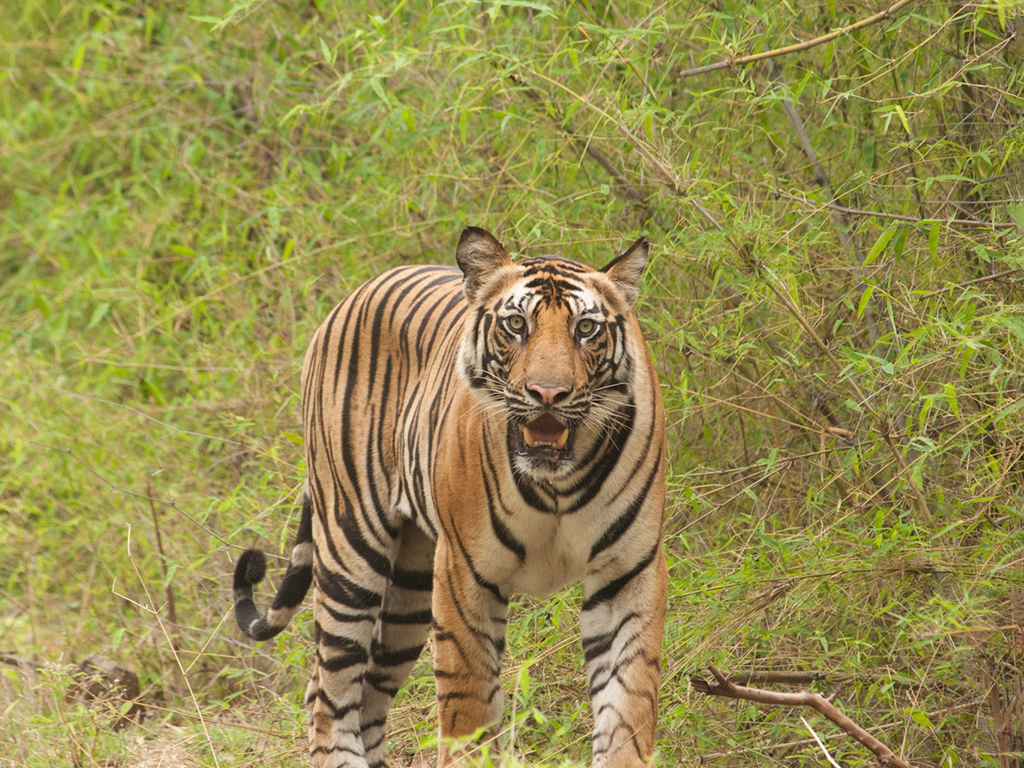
(557, 550)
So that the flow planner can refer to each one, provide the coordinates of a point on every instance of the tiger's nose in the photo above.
(547, 394)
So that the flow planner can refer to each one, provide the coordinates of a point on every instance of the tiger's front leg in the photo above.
(470, 617)
(622, 622)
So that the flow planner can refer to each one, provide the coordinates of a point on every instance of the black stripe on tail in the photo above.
(252, 567)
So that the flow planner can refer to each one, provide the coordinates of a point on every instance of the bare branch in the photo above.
(741, 61)
(832, 206)
(722, 686)
(772, 677)
(975, 281)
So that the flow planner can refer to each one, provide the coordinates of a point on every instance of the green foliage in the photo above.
(834, 306)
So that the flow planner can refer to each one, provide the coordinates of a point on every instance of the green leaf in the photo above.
(98, 314)
(864, 299)
(900, 244)
(77, 61)
(410, 121)
(867, 151)
(523, 678)
(903, 118)
(1017, 212)
(965, 361)
(879, 525)
(542, 8)
(378, 88)
(919, 717)
(951, 399)
(879, 245)
(326, 52)
(926, 406)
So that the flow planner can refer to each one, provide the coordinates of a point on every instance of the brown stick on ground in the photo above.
(721, 686)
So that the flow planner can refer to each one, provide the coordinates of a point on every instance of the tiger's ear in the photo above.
(479, 254)
(627, 268)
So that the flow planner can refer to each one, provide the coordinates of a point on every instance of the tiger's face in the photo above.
(547, 347)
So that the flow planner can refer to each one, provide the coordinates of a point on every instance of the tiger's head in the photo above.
(549, 344)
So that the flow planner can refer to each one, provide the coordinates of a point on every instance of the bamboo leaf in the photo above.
(879, 245)
(865, 298)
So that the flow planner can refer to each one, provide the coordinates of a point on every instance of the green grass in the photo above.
(187, 188)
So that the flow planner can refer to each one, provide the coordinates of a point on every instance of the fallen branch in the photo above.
(740, 61)
(772, 677)
(722, 686)
(807, 677)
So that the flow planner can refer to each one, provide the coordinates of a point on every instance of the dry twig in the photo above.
(722, 686)
(921, 222)
(740, 61)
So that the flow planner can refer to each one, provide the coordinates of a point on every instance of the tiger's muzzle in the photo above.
(545, 442)
(544, 419)
(547, 432)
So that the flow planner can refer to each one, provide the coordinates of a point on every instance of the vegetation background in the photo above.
(835, 304)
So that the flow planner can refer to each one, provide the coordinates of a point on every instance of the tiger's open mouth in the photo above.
(545, 437)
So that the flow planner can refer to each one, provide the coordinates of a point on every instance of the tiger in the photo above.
(471, 434)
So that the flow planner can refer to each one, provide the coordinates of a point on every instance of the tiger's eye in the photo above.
(585, 327)
(516, 322)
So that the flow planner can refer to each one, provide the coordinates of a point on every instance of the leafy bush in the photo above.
(834, 305)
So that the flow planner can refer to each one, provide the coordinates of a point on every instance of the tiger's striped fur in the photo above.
(469, 436)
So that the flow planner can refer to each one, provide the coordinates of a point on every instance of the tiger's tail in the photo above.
(250, 570)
